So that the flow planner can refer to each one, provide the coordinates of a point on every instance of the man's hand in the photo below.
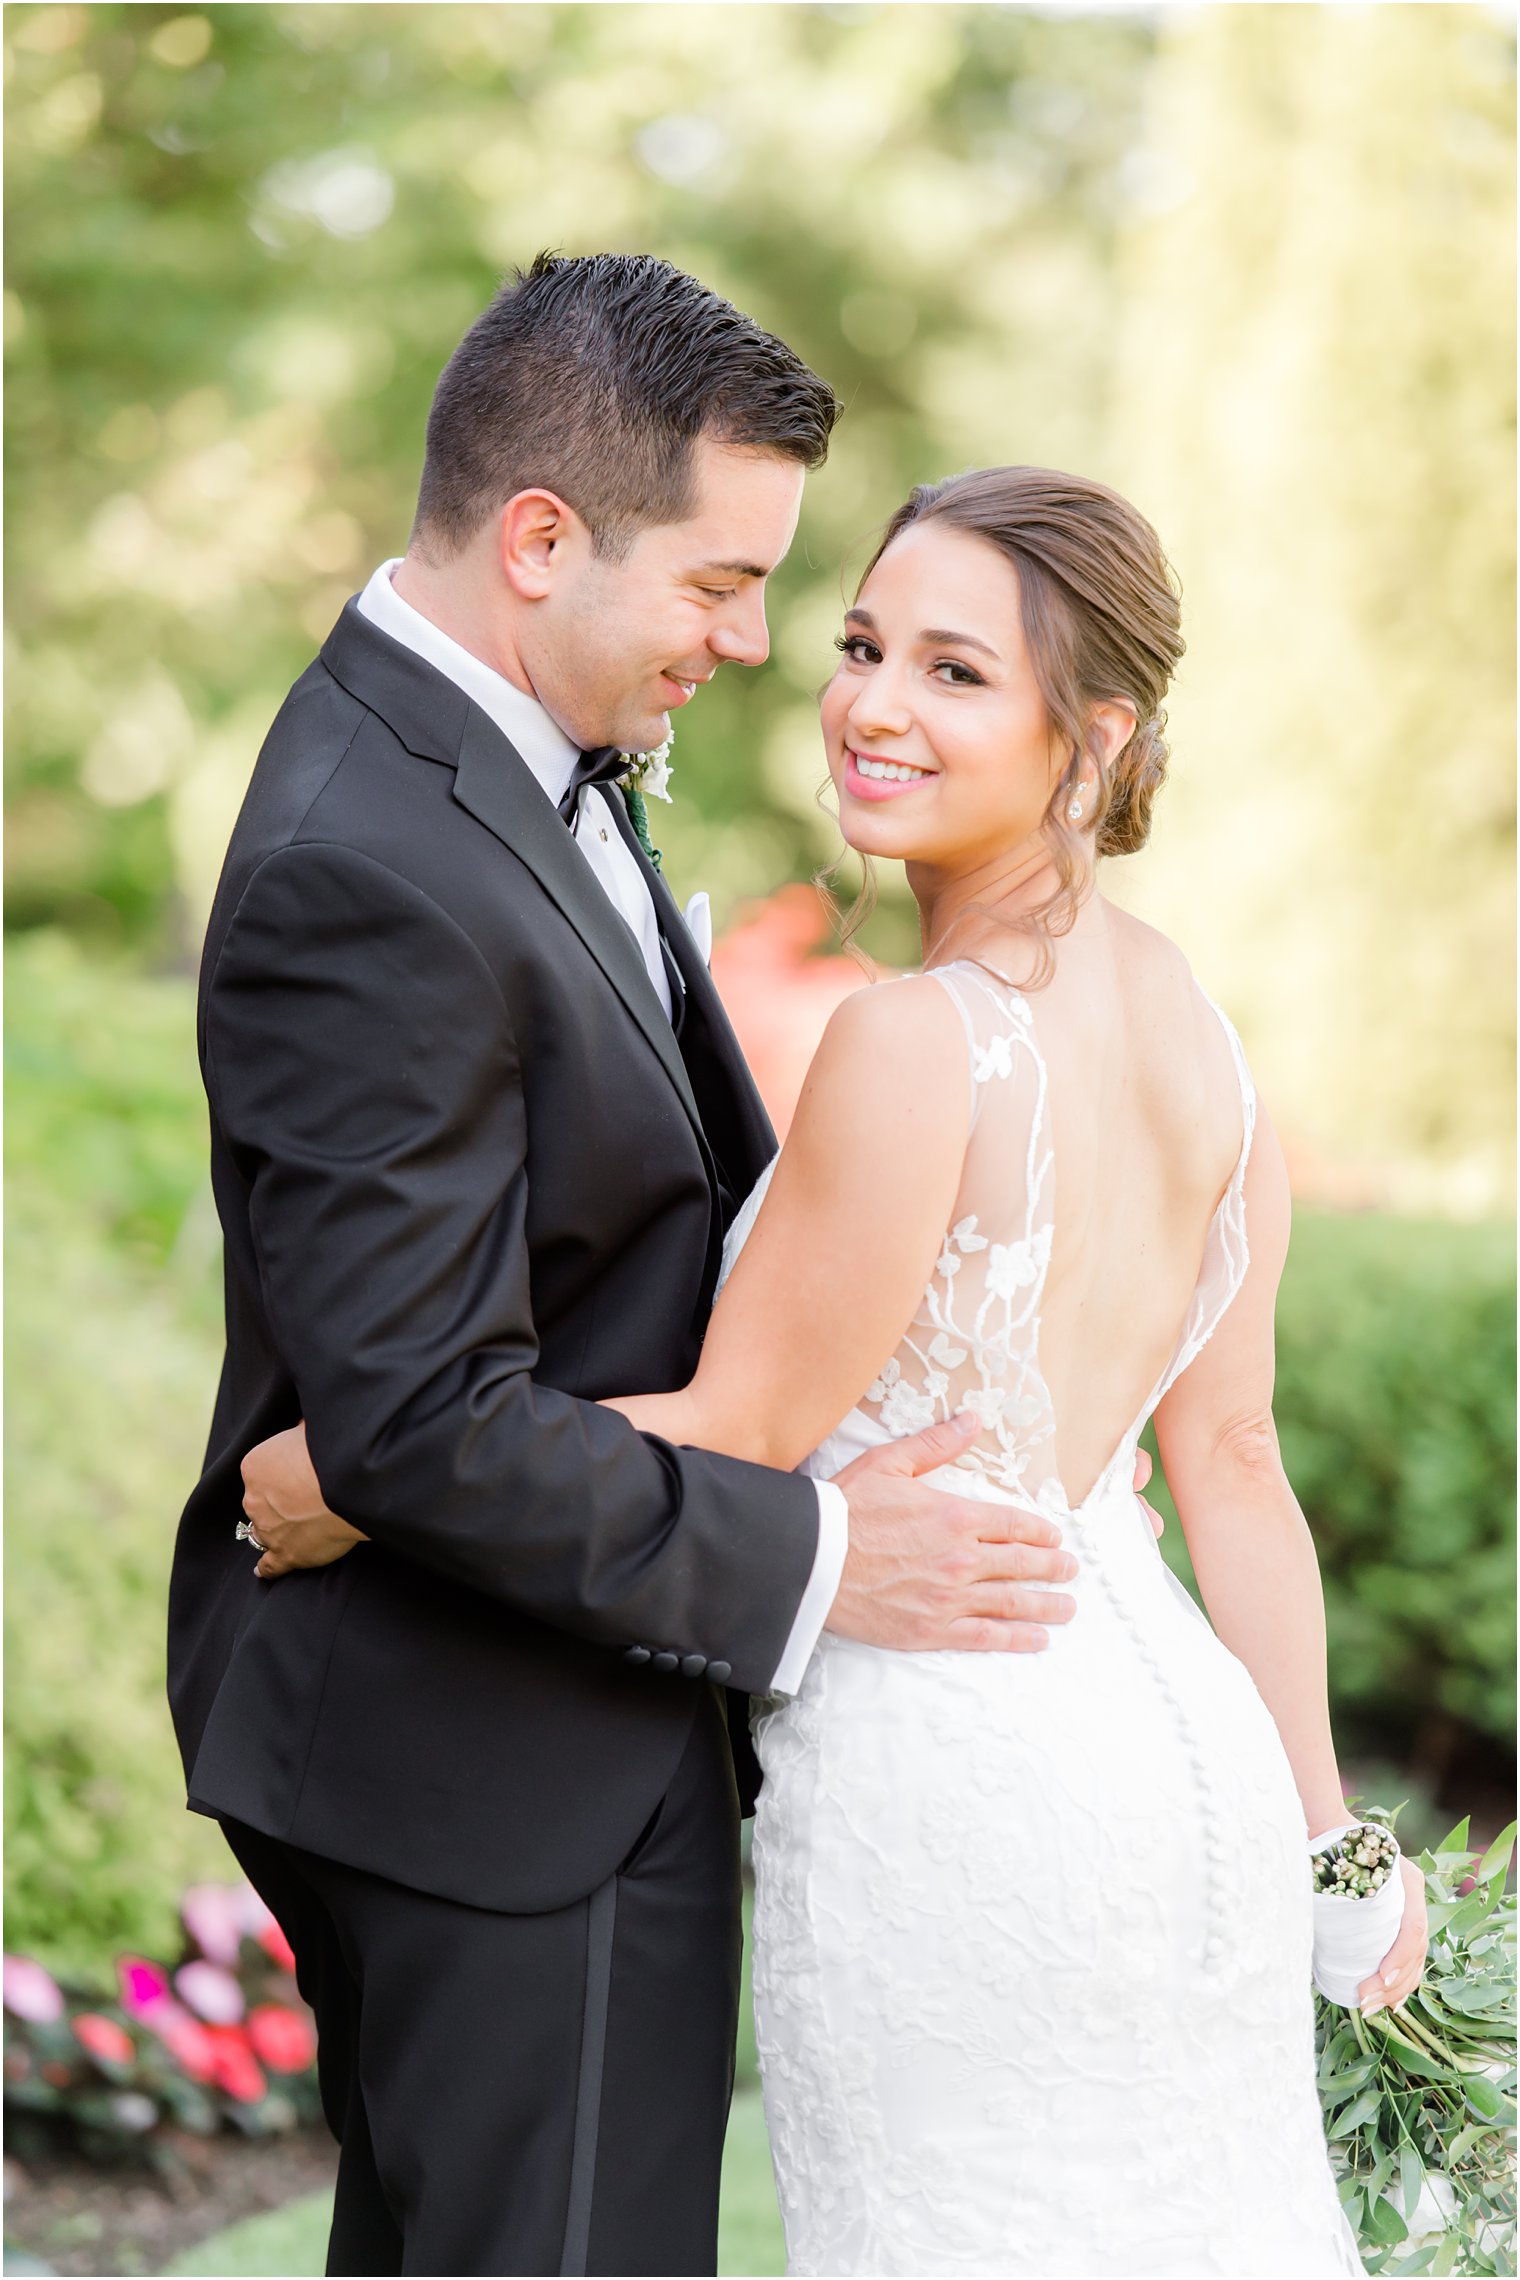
(283, 1500)
(1143, 1469)
(1398, 1975)
(926, 1570)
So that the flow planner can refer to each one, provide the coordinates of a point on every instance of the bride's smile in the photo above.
(940, 736)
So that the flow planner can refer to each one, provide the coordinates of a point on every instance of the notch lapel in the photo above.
(498, 789)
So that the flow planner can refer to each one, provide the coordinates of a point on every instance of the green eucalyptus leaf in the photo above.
(1361, 2111)
(1411, 2177)
(1485, 2099)
(1384, 2224)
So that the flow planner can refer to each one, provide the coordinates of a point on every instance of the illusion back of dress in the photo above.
(1041, 1281)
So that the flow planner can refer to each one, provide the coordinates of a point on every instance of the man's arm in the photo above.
(361, 1061)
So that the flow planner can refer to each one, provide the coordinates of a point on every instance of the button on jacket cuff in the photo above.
(822, 1587)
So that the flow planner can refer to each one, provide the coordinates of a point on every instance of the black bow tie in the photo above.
(603, 766)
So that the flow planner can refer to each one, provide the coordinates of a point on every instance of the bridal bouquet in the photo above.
(1419, 2102)
(1358, 1905)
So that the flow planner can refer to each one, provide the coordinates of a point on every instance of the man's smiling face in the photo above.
(619, 645)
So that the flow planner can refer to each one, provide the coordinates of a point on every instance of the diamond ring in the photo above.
(245, 1535)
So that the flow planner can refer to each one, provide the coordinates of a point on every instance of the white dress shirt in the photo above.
(550, 756)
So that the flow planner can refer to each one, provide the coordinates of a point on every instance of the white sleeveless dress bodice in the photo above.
(1032, 1931)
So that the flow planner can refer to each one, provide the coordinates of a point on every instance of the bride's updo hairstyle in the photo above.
(1101, 622)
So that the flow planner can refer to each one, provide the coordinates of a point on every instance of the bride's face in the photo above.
(937, 734)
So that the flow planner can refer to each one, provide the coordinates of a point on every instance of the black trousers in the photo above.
(528, 2094)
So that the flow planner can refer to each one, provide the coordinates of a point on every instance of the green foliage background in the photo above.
(1252, 264)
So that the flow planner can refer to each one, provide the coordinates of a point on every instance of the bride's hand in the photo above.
(1398, 1975)
(1143, 1469)
(283, 1500)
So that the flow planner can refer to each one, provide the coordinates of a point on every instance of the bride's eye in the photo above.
(963, 676)
(856, 647)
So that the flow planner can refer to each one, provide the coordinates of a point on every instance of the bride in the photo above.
(1033, 1933)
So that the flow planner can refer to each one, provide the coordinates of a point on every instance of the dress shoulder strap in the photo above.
(997, 1019)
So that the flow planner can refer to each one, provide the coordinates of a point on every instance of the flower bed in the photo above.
(223, 2039)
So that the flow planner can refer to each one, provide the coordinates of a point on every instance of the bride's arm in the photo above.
(1250, 1544)
(845, 1241)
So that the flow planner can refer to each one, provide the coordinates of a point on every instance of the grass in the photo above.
(293, 2240)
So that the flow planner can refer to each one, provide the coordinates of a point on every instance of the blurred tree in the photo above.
(244, 240)
(1314, 400)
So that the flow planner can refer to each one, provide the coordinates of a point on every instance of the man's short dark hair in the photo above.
(592, 378)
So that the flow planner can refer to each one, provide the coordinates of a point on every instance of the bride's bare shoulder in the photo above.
(912, 1014)
(900, 1042)
(1160, 965)
(1146, 944)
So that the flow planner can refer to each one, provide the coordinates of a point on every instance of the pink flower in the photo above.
(212, 1993)
(30, 1992)
(233, 2065)
(144, 1986)
(186, 2040)
(104, 2039)
(285, 2040)
(216, 1918)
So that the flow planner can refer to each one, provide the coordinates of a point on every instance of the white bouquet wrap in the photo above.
(1358, 1905)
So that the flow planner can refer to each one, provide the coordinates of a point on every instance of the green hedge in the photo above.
(111, 1360)
(1394, 1400)
(1396, 1409)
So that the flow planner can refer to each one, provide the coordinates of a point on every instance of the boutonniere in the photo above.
(647, 778)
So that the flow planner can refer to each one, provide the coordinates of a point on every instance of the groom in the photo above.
(477, 1126)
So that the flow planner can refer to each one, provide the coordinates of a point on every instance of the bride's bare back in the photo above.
(1088, 1251)
(1146, 1118)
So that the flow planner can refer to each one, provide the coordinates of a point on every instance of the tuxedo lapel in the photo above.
(493, 783)
(733, 1114)
(434, 717)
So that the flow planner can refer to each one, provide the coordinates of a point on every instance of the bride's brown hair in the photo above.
(1099, 608)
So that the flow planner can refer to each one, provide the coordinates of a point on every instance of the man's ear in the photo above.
(536, 531)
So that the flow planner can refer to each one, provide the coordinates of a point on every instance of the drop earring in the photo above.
(1074, 812)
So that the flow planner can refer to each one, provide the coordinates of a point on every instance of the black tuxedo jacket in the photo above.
(468, 1182)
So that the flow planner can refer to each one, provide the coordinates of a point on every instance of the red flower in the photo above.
(283, 2039)
(57, 2073)
(275, 1945)
(233, 2065)
(104, 2039)
(186, 2040)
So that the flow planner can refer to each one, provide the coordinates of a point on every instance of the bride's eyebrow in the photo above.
(933, 633)
(930, 633)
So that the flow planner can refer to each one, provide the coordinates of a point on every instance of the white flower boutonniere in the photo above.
(647, 777)
(649, 773)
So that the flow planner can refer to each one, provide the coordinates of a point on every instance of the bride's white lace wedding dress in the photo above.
(1032, 1932)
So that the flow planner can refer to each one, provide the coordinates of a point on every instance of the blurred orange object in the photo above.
(778, 994)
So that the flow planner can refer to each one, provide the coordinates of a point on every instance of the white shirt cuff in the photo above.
(822, 1588)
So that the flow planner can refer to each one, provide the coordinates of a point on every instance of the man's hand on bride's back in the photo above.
(283, 1500)
(927, 1570)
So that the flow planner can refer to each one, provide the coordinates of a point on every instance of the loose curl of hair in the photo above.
(1098, 604)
